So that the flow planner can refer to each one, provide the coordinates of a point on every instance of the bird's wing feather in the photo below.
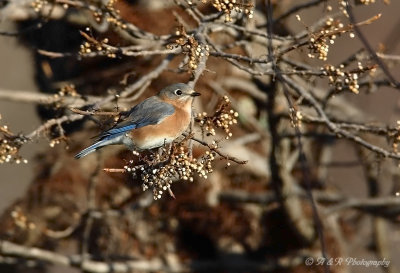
(148, 112)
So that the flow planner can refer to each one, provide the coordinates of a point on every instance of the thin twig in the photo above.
(368, 47)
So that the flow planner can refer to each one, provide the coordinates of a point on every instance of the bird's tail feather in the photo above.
(92, 148)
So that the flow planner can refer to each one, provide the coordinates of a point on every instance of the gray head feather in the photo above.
(178, 91)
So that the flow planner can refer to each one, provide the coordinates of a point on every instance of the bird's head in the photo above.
(179, 92)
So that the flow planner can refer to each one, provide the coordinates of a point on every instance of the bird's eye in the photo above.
(178, 92)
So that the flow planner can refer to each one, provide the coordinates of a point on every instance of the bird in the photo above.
(154, 122)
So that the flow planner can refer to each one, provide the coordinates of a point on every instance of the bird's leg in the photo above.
(152, 157)
(163, 149)
(160, 151)
(170, 148)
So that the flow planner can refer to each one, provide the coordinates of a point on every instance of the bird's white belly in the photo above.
(155, 142)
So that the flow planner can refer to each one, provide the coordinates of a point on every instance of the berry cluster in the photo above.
(108, 13)
(67, 90)
(116, 21)
(228, 6)
(9, 152)
(38, 5)
(101, 47)
(172, 164)
(191, 47)
(296, 117)
(111, 4)
(223, 118)
(343, 5)
(320, 41)
(396, 139)
(341, 79)
(9, 147)
(21, 220)
(366, 2)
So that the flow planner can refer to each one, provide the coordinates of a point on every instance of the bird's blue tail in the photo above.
(119, 138)
(92, 148)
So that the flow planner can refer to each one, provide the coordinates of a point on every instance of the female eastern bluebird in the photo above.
(156, 121)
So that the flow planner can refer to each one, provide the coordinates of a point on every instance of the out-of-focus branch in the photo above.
(332, 126)
(148, 77)
(48, 124)
(298, 8)
(369, 48)
(8, 248)
(39, 98)
(91, 205)
(212, 148)
(126, 51)
(94, 113)
(388, 207)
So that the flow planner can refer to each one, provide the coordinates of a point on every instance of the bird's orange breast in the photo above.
(152, 136)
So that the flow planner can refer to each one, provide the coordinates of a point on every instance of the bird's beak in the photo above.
(195, 94)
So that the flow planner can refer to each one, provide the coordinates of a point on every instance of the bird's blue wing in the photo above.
(149, 112)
